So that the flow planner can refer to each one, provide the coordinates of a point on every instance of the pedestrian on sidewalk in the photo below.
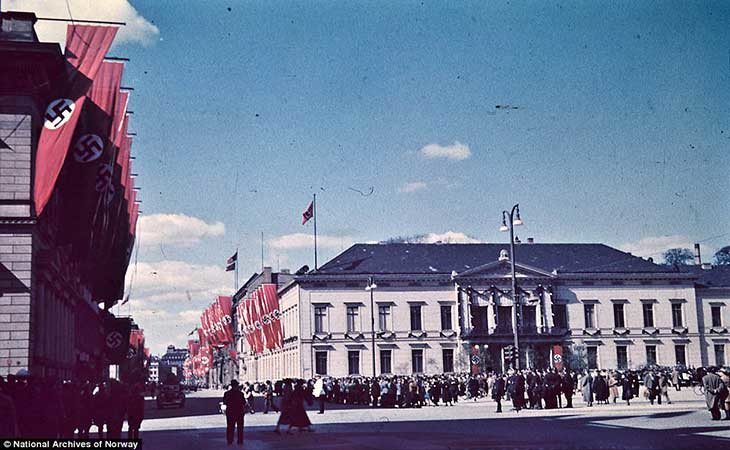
(235, 403)
(725, 378)
(627, 386)
(320, 393)
(269, 398)
(714, 390)
(498, 389)
(135, 410)
(586, 386)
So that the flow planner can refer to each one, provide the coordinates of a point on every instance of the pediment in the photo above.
(502, 269)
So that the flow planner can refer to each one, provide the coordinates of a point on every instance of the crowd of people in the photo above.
(525, 389)
(32, 407)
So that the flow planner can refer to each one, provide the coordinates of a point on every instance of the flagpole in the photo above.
(314, 214)
(235, 288)
(262, 252)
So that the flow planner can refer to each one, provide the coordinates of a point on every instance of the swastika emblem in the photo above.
(114, 339)
(557, 359)
(204, 360)
(88, 148)
(103, 177)
(475, 359)
(58, 113)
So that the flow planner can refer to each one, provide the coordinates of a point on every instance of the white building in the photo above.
(436, 306)
(154, 370)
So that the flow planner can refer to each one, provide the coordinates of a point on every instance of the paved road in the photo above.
(467, 426)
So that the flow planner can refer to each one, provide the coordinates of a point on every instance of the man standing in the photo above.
(235, 403)
(498, 391)
(566, 385)
(269, 397)
(586, 386)
(714, 388)
(319, 393)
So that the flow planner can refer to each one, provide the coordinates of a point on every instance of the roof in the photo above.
(715, 277)
(445, 258)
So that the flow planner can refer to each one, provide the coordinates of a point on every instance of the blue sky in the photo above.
(613, 126)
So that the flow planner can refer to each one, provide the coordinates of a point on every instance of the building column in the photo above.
(547, 301)
(491, 323)
(465, 307)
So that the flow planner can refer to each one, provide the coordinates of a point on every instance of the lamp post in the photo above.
(509, 221)
(370, 288)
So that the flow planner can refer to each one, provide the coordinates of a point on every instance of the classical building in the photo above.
(154, 369)
(448, 307)
(54, 271)
(172, 362)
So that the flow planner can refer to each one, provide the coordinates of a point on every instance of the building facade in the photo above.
(434, 307)
(51, 289)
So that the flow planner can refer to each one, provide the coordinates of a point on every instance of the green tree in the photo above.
(722, 256)
(678, 256)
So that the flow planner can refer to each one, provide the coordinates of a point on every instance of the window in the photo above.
(446, 317)
(353, 362)
(680, 355)
(384, 317)
(416, 318)
(320, 363)
(448, 358)
(417, 361)
(592, 356)
(560, 316)
(716, 316)
(386, 361)
(352, 318)
(719, 354)
(619, 321)
(648, 309)
(651, 355)
(589, 311)
(622, 357)
(677, 315)
(320, 314)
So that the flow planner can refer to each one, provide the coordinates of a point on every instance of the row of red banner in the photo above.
(84, 152)
(260, 319)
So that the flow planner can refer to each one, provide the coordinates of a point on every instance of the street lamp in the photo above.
(509, 221)
(371, 288)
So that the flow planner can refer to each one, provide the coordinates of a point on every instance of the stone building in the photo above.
(51, 322)
(436, 306)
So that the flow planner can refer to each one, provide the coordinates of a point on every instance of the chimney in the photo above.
(698, 257)
(267, 274)
(287, 271)
(517, 240)
(530, 240)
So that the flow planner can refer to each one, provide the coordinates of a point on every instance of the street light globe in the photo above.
(504, 228)
(517, 222)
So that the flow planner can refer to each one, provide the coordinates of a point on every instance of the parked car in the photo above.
(170, 395)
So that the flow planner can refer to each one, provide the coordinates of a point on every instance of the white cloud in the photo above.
(168, 297)
(413, 186)
(137, 29)
(450, 237)
(305, 240)
(456, 151)
(654, 246)
(176, 229)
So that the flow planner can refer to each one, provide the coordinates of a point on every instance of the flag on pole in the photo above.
(231, 263)
(308, 213)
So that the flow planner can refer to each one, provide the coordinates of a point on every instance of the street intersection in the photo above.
(469, 425)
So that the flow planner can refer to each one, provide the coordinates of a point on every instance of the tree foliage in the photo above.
(678, 256)
(577, 359)
(722, 256)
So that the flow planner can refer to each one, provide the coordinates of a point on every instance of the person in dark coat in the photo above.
(518, 392)
(446, 394)
(84, 416)
(135, 411)
(100, 403)
(566, 386)
(117, 410)
(600, 388)
(498, 391)
(375, 392)
(473, 388)
(8, 416)
(235, 402)
(298, 414)
(714, 390)
(627, 387)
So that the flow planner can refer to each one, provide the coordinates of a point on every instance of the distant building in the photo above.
(437, 306)
(172, 362)
(154, 369)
